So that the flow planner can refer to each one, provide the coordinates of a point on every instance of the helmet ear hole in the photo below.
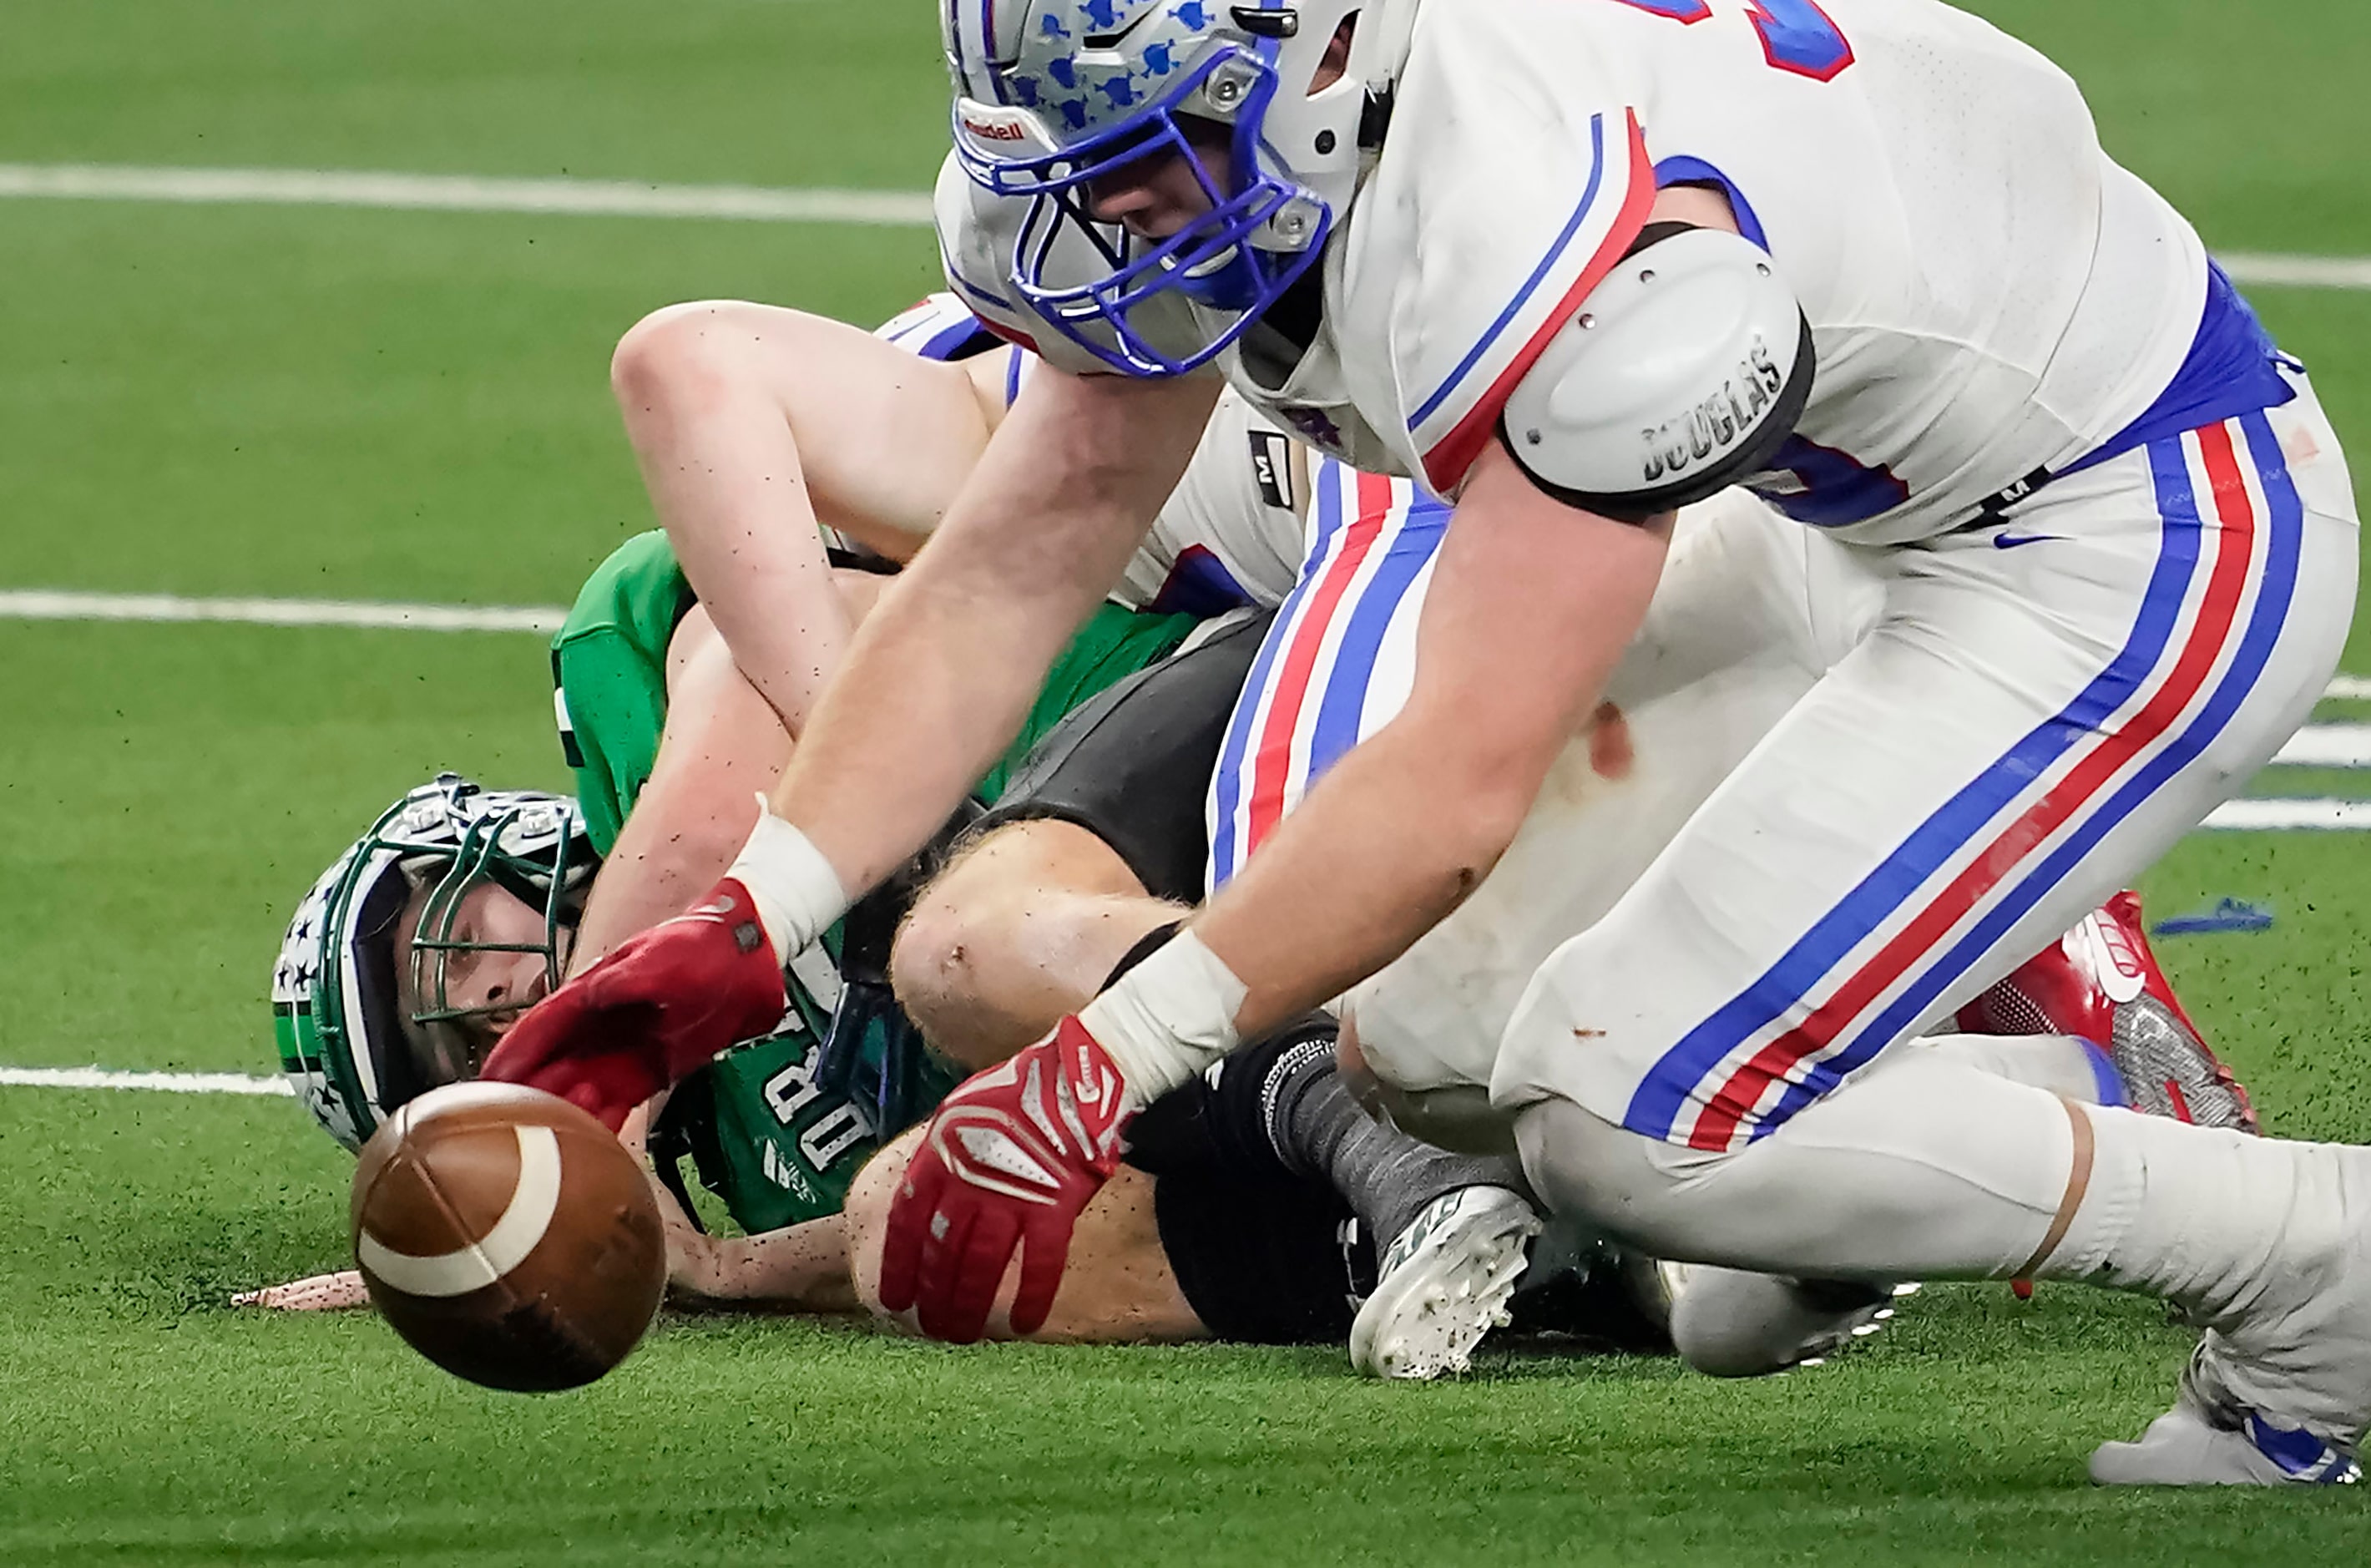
(1335, 62)
(379, 993)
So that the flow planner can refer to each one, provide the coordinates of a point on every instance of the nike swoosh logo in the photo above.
(2013, 541)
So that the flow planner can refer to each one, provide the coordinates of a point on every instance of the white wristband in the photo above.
(1168, 1018)
(796, 891)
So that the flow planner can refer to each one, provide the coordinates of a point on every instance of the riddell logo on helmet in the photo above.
(1005, 132)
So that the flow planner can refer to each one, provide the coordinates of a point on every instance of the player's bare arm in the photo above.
(1527, 585)
(946, 665)
(1121, 1287)
(1531, 604)
(939, 680)
(753, 425)
(801, 1268)
(722, 743)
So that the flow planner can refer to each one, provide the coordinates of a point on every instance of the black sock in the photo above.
(1318, 1130)
(1278, 1110)
(1214, 1124)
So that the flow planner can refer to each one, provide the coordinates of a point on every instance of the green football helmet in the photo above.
(352, 1048)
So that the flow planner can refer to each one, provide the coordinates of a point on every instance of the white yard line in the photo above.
(2320, 746)
(2297, 271)
(2329, 745)
(632, 197)
(462, 194)
(2292, 815)
(164, 1083)
(2235, 816)
(44, 604)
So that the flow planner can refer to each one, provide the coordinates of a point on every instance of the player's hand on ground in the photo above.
(691, 1251)
(1007, 1161)
(653, 1011)
(321, 1293)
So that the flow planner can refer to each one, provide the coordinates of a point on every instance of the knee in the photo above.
(864, 1218)
(981, 962)
(1581, 1164)
(1732, 1323)
(1456, 1116)
(676, 351)
(934, 960)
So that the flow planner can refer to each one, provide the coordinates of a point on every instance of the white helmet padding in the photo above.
(1681, 374)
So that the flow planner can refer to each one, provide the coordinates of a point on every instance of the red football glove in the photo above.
(655, 1011)
(1008, 1159)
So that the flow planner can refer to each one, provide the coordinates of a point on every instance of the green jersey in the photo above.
(608, 672)
(770, 1135)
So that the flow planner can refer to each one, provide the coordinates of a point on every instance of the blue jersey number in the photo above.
(1831, 490)
(1796, 36)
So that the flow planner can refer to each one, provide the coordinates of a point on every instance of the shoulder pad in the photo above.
(1513, 177)
(1680, 376)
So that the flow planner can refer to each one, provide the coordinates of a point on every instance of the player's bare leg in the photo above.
(1034, 921)
(1118, 1287)
(1021, 929)
(1917, 1166)
(753, 425)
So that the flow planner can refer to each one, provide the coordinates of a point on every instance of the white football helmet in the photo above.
(1055, 94)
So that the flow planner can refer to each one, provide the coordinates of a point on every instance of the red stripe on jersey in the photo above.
(1272, 759)
(1445, 465)
(1011, 334)
(2218, 613)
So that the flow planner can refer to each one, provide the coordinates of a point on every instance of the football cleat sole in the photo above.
(1443, 1286)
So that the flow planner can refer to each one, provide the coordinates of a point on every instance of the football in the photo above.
(508, 1236)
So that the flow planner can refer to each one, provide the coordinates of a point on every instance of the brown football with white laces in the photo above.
(508, 1236)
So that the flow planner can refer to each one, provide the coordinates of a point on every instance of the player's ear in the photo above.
(1337, 58)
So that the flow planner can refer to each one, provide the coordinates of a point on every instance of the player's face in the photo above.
(1162, 193)
(494, 972)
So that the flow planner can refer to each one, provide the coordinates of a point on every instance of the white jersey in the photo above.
(1231, 533)
(1749, 612)
(1228, 536)
(1989, 294)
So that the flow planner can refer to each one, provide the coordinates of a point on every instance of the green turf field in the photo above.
(337, 403)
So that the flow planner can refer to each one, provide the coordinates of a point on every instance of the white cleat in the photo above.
(2279, 1388)
(1443, 1284)
(2183, 1447)
(1729, 1323)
